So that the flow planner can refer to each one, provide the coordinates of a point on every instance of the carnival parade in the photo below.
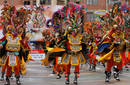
(64, 42)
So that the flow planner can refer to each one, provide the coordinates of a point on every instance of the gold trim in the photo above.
(72, 61)
(107, 56)
(75, 38)
(12, 38)
(15, 61)
(64, 59)
(83, 59)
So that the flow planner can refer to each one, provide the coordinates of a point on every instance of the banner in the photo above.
(37, 54)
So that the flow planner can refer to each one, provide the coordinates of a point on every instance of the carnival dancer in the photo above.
(68, 19)
(55, 43)
(14, 44)
(74, 56)
(106, 44)
(114, 57)
(95, 34)
(5, 20)
(112, 54)
(92, 61)
(59, 43)
(109, 45)
(38, 18)
(50, 42)
(2, 53)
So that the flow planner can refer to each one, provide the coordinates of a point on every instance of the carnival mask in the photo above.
(10, 28)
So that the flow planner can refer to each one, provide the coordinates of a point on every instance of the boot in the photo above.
(116, 74)
(126, 67)
(53, 72)
(7, 81)
(75, 78)
(90, 67)
(103, 65)
(108, 76)
(2, 76)
(11, 76)
(58, 76)
(94, 68)
(67, 79)
(18, 80)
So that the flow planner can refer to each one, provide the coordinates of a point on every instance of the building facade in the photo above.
(92, 5)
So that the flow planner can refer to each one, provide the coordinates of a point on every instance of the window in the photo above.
(45, 2)
(5, 1)
(70, 0)
(26, 2)
(77, 1)
(34, 2)
(90, 2)
(95, 1)
(60, 2)
(42, 2)
(113, 1)
(127, 2)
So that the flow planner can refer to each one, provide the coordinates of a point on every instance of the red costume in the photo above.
(13, 45)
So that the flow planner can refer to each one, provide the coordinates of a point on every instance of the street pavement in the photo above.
(40, 75)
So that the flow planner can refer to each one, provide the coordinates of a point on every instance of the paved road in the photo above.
(39, 75)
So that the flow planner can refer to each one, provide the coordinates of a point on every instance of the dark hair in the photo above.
(116, 44)
(47, 23)
(57, 14)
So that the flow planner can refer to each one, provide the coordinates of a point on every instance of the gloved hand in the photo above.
(1, 46)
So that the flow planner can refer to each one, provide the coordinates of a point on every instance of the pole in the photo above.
(106, 5)
(12, 2)
(37, 3)
(53, 2)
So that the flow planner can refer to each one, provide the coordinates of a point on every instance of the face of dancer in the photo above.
(20, 31)
(10, 30)
(116, 6)
(75, 31)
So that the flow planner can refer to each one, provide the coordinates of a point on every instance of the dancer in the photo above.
(14, 43)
